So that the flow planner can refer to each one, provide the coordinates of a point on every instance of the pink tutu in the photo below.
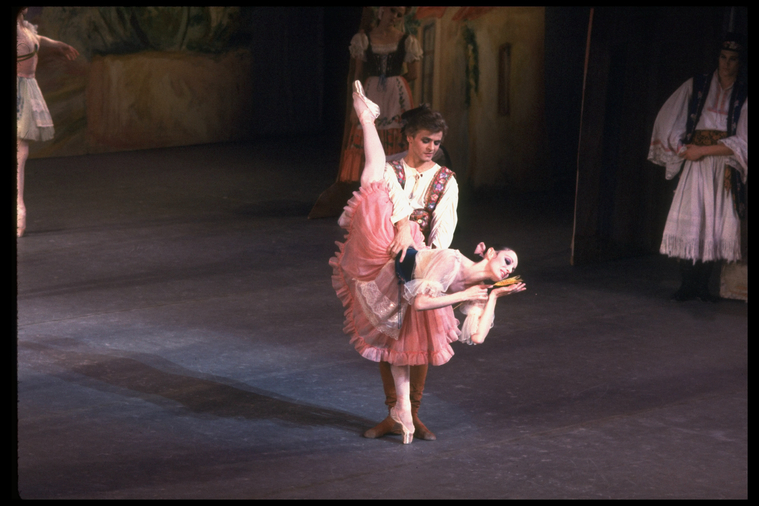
(382, 326)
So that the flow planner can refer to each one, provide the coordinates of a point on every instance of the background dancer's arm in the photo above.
(412, 72)
(693, 152)
(67, 51)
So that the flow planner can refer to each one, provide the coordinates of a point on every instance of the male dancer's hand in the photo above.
(402, 240)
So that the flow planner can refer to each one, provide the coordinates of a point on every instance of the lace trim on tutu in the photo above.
(384, 314)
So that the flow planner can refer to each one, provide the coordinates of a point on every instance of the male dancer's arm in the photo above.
(401, 212)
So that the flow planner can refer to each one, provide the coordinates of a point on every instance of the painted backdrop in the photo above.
(166, 76)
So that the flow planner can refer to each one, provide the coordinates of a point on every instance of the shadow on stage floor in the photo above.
(179, 338)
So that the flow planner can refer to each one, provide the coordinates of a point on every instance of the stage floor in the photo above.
(179, 338)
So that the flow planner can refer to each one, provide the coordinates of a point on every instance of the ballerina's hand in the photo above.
(508, 290)
(477, 292)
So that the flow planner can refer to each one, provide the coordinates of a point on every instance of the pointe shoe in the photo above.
(408, 434)
(386, 426)
(371, 107)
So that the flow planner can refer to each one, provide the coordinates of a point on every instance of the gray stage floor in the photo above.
(178, 337)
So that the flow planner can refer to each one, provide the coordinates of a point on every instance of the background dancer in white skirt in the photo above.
(701, 132)
(33, 119)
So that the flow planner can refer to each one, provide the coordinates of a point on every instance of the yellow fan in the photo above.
(508, 281)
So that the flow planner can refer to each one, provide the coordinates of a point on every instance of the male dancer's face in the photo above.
(424, 144)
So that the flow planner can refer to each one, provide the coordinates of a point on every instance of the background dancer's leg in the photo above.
(22, 153)
(703, 272)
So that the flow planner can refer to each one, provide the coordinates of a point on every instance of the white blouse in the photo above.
(411, 197)
(670, 126)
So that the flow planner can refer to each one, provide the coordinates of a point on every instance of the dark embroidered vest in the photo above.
(423, 216)
(385, 65)
(701, 85)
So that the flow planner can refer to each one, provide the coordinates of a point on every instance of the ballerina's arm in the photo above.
(486, 317)
(423, 302)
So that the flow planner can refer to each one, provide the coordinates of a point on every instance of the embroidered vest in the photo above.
(385, 65)
(701, 85)
(423, 216)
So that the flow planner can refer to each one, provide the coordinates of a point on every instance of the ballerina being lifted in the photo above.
(386, 295)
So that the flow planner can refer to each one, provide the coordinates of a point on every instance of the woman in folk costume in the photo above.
(379, 57)
(33, 120)
(399, 304)
(701, 133)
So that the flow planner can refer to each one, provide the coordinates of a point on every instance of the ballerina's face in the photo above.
(502, 264)
(424, 144)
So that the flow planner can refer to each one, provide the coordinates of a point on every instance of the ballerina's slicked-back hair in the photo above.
(423, 118)
(497, 247)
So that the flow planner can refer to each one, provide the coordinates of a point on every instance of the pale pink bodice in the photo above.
(27, 42)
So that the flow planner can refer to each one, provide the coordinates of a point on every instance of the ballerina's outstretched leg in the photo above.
(367, 111)
(374, 153)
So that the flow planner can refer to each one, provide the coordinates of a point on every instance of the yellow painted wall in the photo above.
(488, 149)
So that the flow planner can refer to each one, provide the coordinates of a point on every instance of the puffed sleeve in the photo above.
(669, 130)
(401, 207)
(739, 143)
(434, 272)
(444, 218)
(471, 325)
(358, 46)
(413, 49)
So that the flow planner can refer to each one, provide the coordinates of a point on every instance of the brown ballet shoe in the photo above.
(421, 431)
(386, 426)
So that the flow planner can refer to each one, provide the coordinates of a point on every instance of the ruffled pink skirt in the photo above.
(424, 336)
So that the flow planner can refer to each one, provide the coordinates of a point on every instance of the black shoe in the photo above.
(683, 294)
(705, 296)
